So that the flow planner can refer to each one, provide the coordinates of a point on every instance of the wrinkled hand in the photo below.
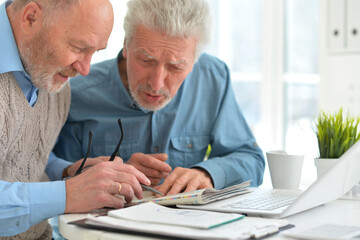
(97, 186)
(89, 162)
(185, 180)
(152, 165)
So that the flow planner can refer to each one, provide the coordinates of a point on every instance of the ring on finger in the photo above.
(119, 187)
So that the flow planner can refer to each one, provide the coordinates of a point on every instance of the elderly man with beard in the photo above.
(42, 44)
(173, 102)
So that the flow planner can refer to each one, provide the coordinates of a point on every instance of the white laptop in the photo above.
(277, 203)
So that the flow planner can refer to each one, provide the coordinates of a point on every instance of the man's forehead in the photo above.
(170, 58)
(89, 24)
(84, 37)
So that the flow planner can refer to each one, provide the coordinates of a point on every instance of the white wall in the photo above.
(340, 55)
(340, 83)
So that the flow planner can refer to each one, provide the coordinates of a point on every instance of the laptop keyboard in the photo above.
(268, 201)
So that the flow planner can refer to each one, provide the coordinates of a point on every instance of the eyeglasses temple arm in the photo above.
(115, 153)
(87, 154)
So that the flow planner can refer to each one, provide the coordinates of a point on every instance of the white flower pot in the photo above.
(323, 164)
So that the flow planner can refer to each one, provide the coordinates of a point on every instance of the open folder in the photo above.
(151, 219)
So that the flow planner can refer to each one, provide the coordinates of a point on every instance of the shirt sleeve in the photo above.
(23, 205)
(235, 155)
(55, 167)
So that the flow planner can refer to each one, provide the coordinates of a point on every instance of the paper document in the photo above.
(246, 228)
(320, 231)
(154, 213)
(201, 196)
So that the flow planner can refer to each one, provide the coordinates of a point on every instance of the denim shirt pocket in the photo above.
(187, 151)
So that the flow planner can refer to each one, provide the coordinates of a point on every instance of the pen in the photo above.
(151, 189)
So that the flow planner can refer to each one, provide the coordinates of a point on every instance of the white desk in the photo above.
(337, 212)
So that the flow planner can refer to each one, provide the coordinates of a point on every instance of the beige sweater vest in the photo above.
(27, 136)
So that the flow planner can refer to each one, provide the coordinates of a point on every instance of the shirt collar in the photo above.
(9, 58)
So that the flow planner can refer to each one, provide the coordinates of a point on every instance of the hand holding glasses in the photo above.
(112, 157)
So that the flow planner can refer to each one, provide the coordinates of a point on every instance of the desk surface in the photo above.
(337, 212)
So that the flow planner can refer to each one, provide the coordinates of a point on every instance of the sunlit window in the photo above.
(241, 27)
(237, 40)
(301, 80)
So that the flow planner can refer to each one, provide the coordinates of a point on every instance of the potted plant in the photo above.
(335, 134)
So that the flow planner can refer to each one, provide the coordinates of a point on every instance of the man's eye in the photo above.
(175, 68)
(79, 49)
(147, 61)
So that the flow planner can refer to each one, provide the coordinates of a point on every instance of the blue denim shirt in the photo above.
(204, 111)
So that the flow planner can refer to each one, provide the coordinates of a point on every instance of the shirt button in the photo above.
(156, 149)
(133, 106)
(190, 146)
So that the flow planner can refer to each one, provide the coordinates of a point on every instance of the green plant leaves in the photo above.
(336, 134)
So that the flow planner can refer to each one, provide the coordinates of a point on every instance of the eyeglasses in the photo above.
(115, 153)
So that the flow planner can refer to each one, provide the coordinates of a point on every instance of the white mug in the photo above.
(285, 169)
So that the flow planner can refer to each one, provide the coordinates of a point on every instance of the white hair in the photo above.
(175, 18)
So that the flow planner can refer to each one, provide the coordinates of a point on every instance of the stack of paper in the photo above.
(150, 218)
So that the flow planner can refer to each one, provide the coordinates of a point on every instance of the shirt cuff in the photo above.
(47, 199)
(215, 171)
(55, 167)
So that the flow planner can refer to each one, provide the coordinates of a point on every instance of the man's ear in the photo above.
(124, 52)
(31, 19)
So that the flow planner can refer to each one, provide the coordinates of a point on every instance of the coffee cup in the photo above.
(285, 169)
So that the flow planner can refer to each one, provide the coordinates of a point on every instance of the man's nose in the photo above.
(157, 78)
(82, 64)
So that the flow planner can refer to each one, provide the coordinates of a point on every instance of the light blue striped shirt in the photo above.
(25, 204)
